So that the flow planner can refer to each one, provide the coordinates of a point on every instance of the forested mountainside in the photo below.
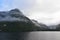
(15, 21)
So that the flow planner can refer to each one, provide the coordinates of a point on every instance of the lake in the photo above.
(38, 35)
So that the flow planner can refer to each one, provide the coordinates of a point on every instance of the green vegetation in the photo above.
(15, 26)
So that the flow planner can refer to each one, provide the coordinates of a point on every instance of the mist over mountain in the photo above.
(15, 21)
(13, 15)
(44, 27)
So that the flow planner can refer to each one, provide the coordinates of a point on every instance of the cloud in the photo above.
(44, 11)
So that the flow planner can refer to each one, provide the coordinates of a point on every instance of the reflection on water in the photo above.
(13, 35)
(42, 35)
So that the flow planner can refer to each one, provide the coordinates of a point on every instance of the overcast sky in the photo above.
(44, 11)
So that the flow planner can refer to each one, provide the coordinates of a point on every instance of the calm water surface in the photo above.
(41, 35)
(44, 36)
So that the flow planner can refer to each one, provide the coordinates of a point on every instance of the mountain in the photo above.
(13, 15)
(58, 27)
(14, 21)
(40, 26)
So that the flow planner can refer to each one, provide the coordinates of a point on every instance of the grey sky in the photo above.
(44, 11)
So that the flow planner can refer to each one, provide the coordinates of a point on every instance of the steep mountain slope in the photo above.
(40, 26)
(14, 21)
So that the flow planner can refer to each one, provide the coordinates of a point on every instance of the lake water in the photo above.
(39, 35)
(44, 36)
